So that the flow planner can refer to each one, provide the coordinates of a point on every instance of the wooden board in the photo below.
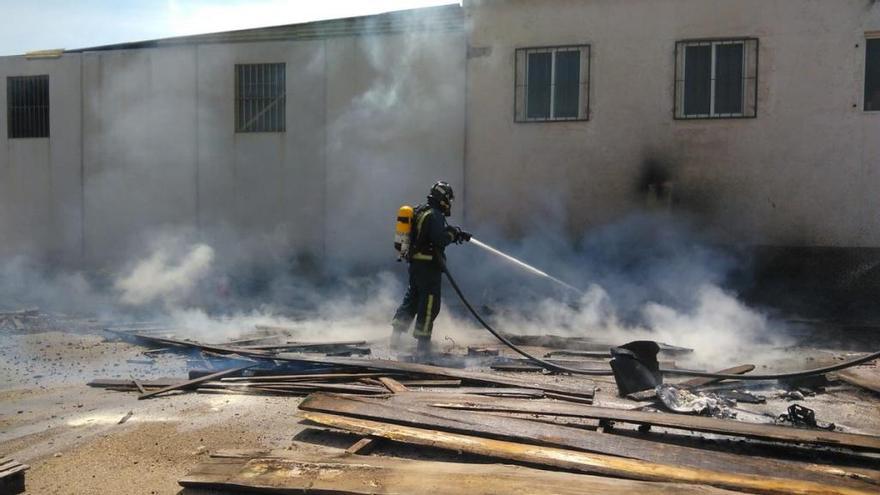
(314, 346)
(776, 433)
(431, 383)
(350, 474)
(569, 352)
(12, 476)
(362, 446)
(314, 386)
(470, 376)
(114, 383)
(140, 387)
(219, 349)
(580, 461)
(193, 383)
(583, 344)
(393, 385)
(527, 393)
(305, 377)
(860, 378)
(701, 381)
(530, 432)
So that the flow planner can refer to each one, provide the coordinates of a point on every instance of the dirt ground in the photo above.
(70, 434)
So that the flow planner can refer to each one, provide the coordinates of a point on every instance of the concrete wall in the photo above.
(373, 120)
(155, 139)
(806, 171)
(139, 147)
(40, 189)
(395, 125)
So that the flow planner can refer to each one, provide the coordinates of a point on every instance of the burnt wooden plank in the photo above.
(525, 431)
(362, 446)
(113, 382)
(393, 385)
(470, 376)
(314, 346)
(193, 383)
(355, 475)
(570, 352)
(529, 393)
(701, 381)
(208, 348)
(306, 386)
(858, 442)
(140, 387)
(583, 462)
(431, 383)
(306, 377)
(861, 379)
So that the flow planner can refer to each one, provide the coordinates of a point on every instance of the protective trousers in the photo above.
(421, 301)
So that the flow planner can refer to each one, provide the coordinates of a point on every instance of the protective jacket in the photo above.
(431, 234)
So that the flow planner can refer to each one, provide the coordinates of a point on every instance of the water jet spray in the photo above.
(529, 268)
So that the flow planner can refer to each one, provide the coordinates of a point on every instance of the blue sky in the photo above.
(45, 24)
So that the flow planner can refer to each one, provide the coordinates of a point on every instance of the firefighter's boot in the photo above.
(423, 348)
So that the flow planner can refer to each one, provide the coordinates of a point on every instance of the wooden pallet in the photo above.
(12, 476)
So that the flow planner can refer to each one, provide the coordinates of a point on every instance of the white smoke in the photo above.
(161, 277)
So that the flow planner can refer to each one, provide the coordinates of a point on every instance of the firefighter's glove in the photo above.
(460, 236)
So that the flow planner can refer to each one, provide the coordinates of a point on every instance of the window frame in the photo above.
(237, 100)
(32, 107)
(869, 37)
(678, 103)
(584, 84)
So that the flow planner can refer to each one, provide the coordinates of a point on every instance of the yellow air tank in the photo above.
(404, 227)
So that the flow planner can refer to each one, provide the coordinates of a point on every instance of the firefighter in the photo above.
(429, 237)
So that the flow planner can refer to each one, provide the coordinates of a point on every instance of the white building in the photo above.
(759, 117)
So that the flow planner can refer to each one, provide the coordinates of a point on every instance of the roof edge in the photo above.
(441, 18)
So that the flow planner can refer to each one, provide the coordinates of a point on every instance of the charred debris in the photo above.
(479, 421)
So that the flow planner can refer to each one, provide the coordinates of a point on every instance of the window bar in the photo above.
(712, 78)
(270, 115)
(38, 100)
(13, 110)
(247, 97)
(684, 60)
(282, 90)
(237, 96)
(261, 100)
(41, 117)
(526, 85)
(261, 119)
(32, 108)
(553, 54)
(30, 84)
(38, 95)
(742, 82)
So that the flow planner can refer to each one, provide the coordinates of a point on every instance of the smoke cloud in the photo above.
(161, 278)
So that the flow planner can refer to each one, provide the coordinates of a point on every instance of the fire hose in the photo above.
(680, 372)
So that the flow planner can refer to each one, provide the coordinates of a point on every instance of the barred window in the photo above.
(552, 83)
(260, 97)
(872, 75)
(716, 79)
(27, 106)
